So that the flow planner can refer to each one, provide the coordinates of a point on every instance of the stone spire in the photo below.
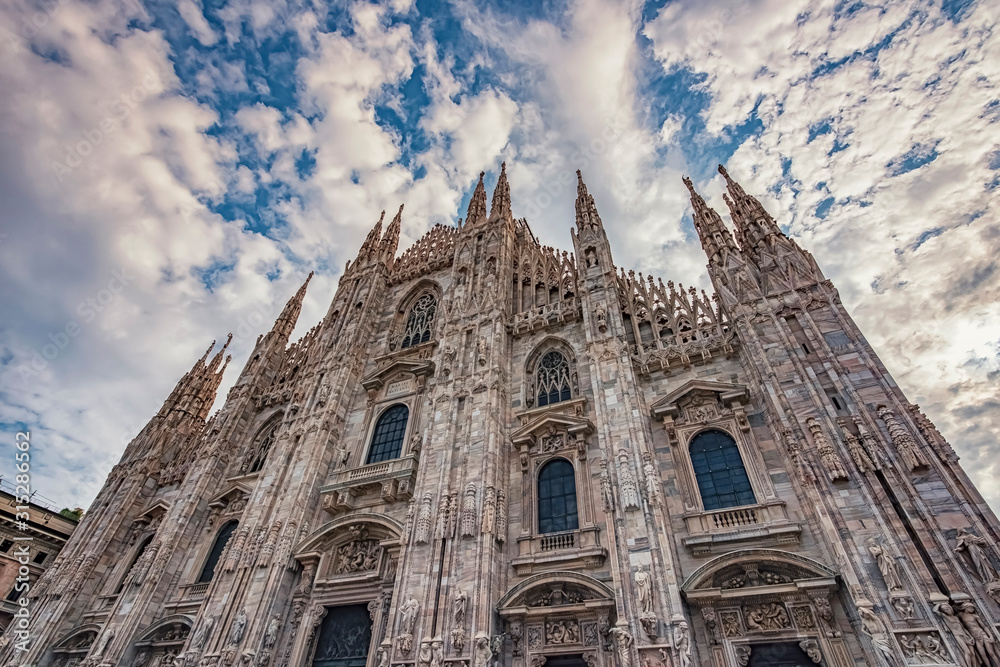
(754, 225)
(285, 323)
(390, 241)
(195, 391)
(586, 210)
(711, 229)
(500, 207)
(477, 205)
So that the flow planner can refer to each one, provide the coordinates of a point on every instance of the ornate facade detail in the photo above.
(626, 482)
(904, 443)
(469, 528)
(424, 520)
(828, 456)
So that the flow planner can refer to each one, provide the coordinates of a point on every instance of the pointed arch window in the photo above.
(221, 540)
(419, 321)
(718, 467)
(557, 497)
(552, 379)
(135, 559)
(387, 439)
(254, 459)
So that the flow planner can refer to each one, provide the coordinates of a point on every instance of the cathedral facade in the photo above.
(490, 453)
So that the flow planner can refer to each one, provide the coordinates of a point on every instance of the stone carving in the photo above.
(408, 620)
(606, 491)
(828, 456)
(652, 479)
(870, 443)
(643, 590)
(811, 647)
(965, 642)
(923, 649)
(516, 631)
(803, 618)
(902, 440)
(489, 510)
(825, 613)
(626, 483)
(271, 632)
(562, 632)
(903, 604)
(682, 642)
(481, 351)
(886, 565)
(976, 549)
(267, 550)
(234, 554)
(358, 556)
(424, 520)
(306, 578)
(381, 657)
(108, 635)
(469, 511)
(731, 626)
(873, 626)
(742, 654)
(341, 456)
(501, 533)
(436, 653)
(538, 660)
(482, 653)
(708, 615)
(623, 645)
(534, 638)
(766, 617)
(404, 537)
(982, 635)
(458, 605)
(203, 633)
(424, 654)
(858, 453)
(601, 316)
(458, 639)
(238, 627)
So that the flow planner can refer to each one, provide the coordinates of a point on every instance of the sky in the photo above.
(171, 171)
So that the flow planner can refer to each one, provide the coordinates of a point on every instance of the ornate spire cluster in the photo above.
(712, 230)
(500, 207)
(586, 209)
(285, 323)
(195, 392)
(477, 205)
(390, 241)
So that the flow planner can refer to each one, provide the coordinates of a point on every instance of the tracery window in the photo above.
(254, 459)
(557, 497)
(387, 439)
(552, 379)
(135, 559)
(419, 321)
(718, 467)
(208, 571)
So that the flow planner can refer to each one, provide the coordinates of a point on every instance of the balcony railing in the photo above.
(368, 485)
(763, 523)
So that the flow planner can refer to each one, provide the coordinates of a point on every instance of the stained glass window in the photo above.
(722, 479)
(387, 441)
(221, 540)
(419, 321)
(557, 497)
(552, 379)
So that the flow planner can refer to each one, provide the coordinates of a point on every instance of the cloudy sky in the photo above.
(171, 171)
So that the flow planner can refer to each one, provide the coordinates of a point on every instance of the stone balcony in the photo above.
(540, 317)
(369, 485)
(718, 530)
(563, 550)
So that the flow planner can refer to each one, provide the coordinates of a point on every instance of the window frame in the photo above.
(428, 332)
(743, 463)
(533, 362)
(376, 419)
(235, 523)
(542, 466)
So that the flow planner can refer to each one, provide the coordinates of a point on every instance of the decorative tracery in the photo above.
(255, 457)
(419, 321)
(552, 379)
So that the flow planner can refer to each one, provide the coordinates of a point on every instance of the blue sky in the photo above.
(172, 170)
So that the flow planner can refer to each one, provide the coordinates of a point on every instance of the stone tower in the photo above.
(493, 453)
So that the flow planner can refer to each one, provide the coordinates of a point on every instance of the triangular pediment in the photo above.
(235, 489)
(389, 368)
(157, 509)
(550, 423)
(728, 393)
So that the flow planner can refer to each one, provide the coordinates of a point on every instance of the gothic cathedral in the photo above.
(490, 453)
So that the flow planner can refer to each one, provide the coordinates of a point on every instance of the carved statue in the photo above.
(623, 643)
(200, 637)
(903, 604)
(482, 655)
(682, 642)
(626, 483)
(481, 351)
(873, 627)
(424, 654)
(381, 657)
(238, 627)
(409, 615)
(601, 316)
(886, 565)
(458, 606)
(981, 633)
(108, 635)
(975, 548)
(271, 633)
(340, 456)
(901, 438)
(811, 647)
(643, 590)
(962, 638)
(436, 655)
